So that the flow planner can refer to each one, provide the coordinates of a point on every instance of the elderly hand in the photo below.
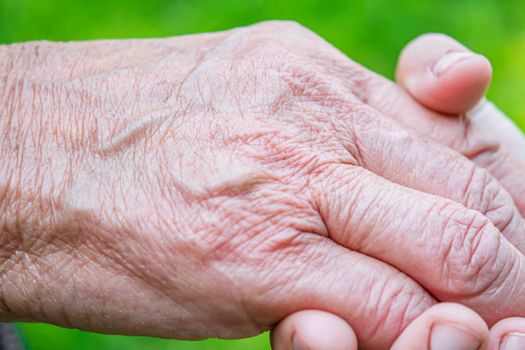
(210, 185)
(454, 91)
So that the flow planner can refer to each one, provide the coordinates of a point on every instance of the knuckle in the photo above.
(486, 195)
(290, 39)
(478, 189)
(287, 54)
(377, 92)
(474, 142)
(261, 47)
(280, 25)
(392, 304)
(469, 254)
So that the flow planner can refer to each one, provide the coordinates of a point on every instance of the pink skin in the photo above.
(311, 330)
(508, 334)
(454, 91)
(444, 326)
(210, 185)
(489, 138)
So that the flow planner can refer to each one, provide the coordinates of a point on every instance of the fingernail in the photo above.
(298, 344)
(449, 60)
(513, 341)
(449, 337)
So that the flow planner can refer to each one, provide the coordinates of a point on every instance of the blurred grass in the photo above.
(46, 337)
(371, 32)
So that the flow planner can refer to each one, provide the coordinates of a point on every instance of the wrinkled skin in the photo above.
(455, 92)
(210, 185)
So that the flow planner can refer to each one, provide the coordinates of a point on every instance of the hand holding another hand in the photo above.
(210, 185)
(455, 91)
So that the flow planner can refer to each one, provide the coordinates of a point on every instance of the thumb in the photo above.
(442, 74)
(313, 330)
(445, 326)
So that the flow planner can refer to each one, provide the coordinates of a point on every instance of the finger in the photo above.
(474, 139)
(444, 326)
(470, 76)
(489, 119)
(456, 91)
(508, 334)
(442, 74)
(506, 161)
(314, 330)
(380, 145)
(454, 253)
(375, 298)
(488, 140)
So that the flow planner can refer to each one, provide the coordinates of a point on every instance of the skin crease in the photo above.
(462, 86)
(505, 162)
(209, 185)
(318, 330)
(486, 136)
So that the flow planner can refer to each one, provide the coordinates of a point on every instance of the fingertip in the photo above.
(313, 330)
(458, 88)
(508, 334)
(442, 74)
(444, 326)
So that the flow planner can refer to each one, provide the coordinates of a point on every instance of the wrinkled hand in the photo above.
(454, 90)
(210, 185)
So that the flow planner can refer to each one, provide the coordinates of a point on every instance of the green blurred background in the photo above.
(371, 32)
